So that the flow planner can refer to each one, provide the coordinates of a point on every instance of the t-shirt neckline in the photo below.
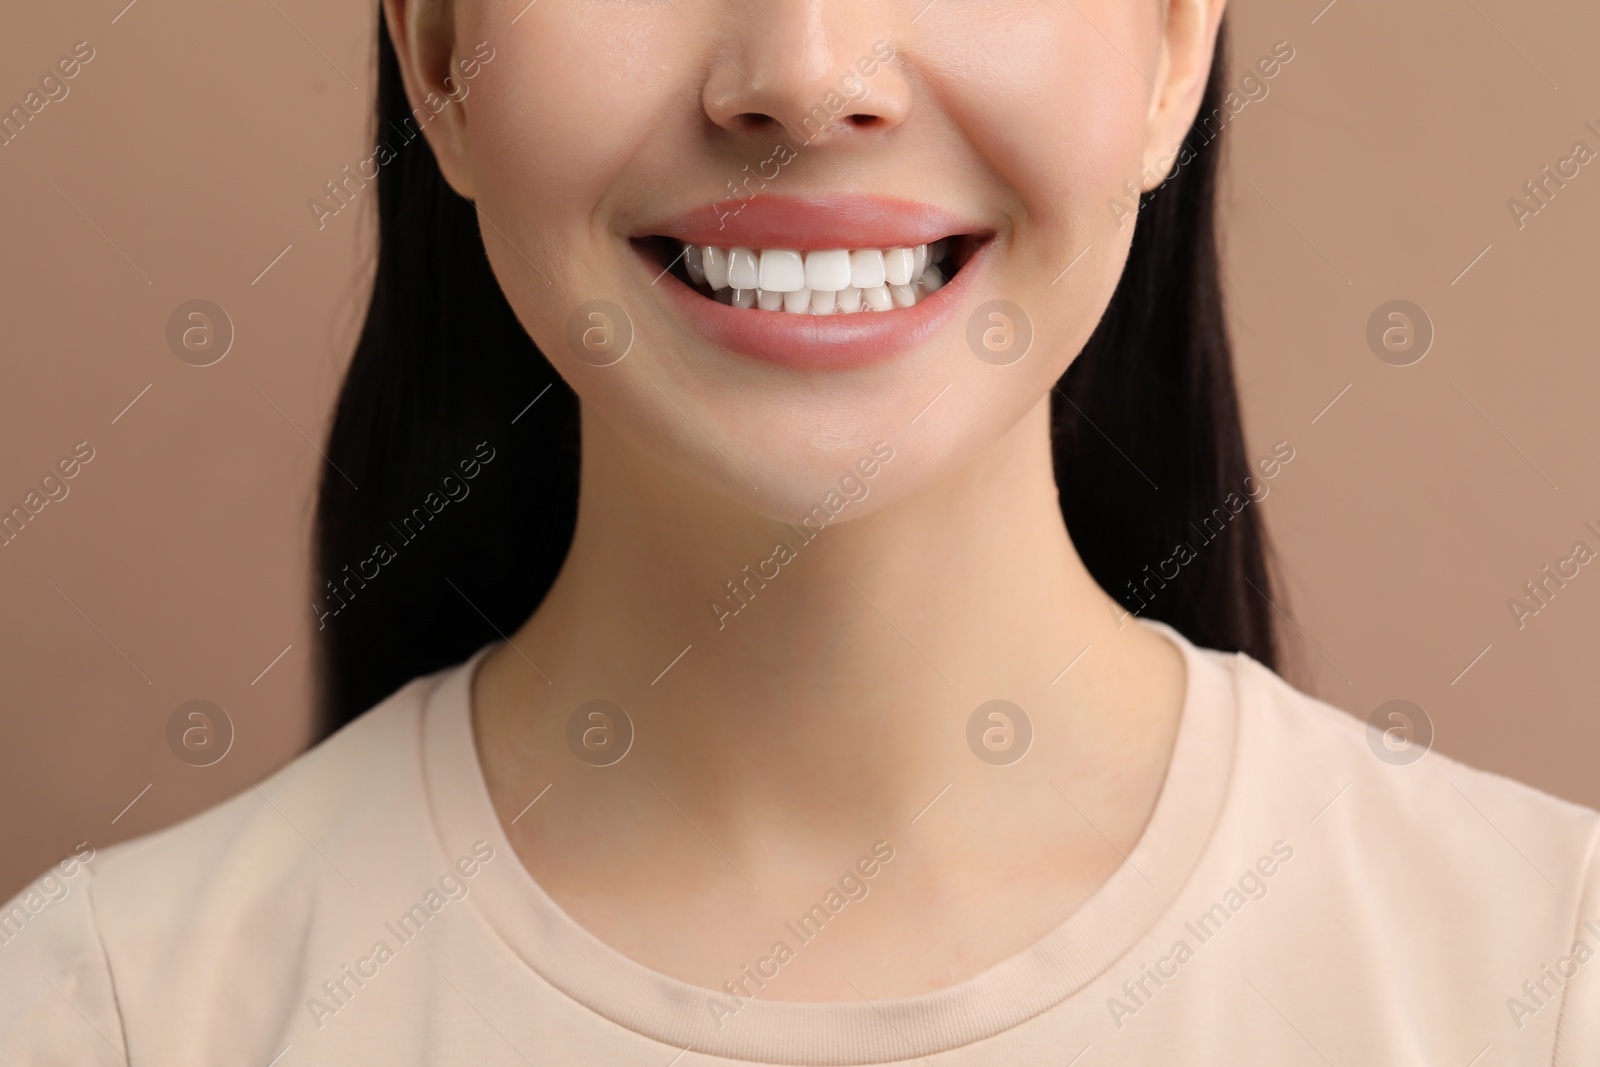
(657, 1006)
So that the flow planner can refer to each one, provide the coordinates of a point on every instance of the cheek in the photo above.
(565, 94)
(1058, 114)
(1054, 101)
(561, 114)
(1053, 96)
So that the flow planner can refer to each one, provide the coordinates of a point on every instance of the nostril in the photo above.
(753, 121)
(808, 126)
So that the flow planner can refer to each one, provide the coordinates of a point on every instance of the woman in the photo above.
(792, 726)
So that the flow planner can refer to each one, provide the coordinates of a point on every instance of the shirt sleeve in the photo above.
(1578, 1030)
(57, 1003)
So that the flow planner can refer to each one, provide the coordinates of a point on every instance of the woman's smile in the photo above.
(823, 283)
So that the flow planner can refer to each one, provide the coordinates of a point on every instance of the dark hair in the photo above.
(1147, 438)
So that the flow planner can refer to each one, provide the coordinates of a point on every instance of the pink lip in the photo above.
(823, 342)
(807, 223)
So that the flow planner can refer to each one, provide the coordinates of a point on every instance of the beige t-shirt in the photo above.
(1293, 900)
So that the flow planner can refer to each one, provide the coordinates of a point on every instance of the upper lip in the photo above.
(810, 223)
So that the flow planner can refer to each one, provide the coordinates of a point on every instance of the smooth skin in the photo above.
(832, 709)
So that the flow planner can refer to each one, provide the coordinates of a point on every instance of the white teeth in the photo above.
(744, 272)
(877, 298)
(866, 268)
(822, 282)
(714, 261)
(897, 263)
(781, 270)
(828, 270)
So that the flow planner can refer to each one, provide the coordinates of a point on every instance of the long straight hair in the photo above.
(448, 399)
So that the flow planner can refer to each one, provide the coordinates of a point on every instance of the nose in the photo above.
(821, 71)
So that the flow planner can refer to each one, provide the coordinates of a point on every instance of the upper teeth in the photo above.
(819, 282)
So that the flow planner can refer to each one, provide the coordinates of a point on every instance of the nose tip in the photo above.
(809, 68)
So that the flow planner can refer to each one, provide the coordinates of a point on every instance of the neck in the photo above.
(844, 662)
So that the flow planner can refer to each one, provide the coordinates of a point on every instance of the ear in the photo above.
(1188, 43)
(423, 33)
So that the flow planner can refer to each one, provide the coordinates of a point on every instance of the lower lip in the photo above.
(841, 341)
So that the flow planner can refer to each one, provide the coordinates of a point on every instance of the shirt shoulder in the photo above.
(281, 835)
(1427, 866)
(216, 909)
(57, 1005)
(1395, 778)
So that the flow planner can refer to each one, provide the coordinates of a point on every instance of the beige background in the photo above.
(1378, 167)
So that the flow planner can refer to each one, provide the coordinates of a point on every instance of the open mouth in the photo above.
(819, 282)
(836, 281)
